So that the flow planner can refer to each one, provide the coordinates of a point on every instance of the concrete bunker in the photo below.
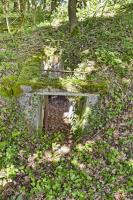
(52, 110)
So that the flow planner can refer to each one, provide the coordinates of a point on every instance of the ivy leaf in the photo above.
(3, 145)
(20, 197)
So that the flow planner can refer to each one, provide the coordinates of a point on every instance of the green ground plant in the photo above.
(100, 162)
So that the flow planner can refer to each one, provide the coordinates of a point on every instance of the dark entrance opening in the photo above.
(57, 114)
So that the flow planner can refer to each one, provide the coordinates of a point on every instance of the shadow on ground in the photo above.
(97, 167)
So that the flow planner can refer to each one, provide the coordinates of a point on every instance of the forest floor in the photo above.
(57, 166)
(94, 165)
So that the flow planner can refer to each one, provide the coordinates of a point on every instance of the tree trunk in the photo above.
(5, 5)
(18, 1)
(22, 9)
(72, 14)
(34, 11)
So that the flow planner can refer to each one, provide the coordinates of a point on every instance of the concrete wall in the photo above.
(32, 105)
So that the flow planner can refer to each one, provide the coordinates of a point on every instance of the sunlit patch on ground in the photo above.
(96, 165)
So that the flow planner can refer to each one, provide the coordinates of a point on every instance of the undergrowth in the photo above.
(99, 164)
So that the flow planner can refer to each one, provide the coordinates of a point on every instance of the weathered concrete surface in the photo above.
(32, 106)
(91, 101)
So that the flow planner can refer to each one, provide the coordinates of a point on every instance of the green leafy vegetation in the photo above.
(94, 160)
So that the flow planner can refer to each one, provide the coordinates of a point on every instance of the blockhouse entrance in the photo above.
(57, 114)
